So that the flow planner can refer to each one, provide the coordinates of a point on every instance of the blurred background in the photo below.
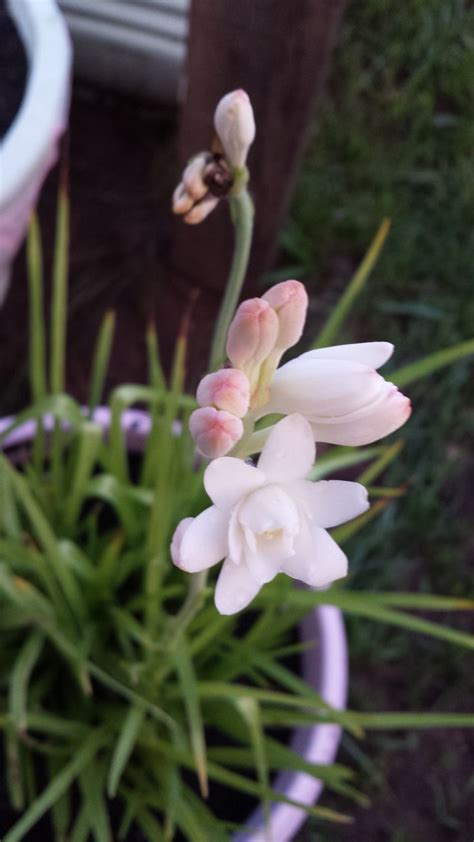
(364, 111)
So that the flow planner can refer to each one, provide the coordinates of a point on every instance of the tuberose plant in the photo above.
(131, 685)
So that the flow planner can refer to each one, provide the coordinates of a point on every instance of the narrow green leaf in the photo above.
(366, 605)
(59, 293)
(101, 360)
(427, 365)
(36, 308)
(378, 467)
(187, 678)
(92, 784)
(389, 720)
(19, 679)
(342, 309)
(250, 711)
(155, 370)
(55, 788)
(61, 809)
(90, 438)
(124, 747)
(348, 530)
(338, 458)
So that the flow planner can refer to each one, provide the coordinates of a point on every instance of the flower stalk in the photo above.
(242, 214)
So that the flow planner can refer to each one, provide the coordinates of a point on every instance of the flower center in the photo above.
(271, 534)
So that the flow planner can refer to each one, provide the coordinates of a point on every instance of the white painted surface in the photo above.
(29, 148)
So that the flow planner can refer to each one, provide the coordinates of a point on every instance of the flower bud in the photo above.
(227, 389)
(193, 176)
(178, 538)
(215, 431)
(235, 126)
(252, 334)
(290, 302)
(182, 201)
(201, 210)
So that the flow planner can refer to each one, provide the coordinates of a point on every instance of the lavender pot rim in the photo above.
(328, 673)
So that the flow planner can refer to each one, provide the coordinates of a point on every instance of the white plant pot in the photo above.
(30, 147)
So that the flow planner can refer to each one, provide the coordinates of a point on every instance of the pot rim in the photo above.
(325, 668)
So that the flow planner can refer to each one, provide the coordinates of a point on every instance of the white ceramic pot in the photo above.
(30, 147)
(324, 667)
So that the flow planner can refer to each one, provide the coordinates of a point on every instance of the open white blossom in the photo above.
(340, 393)
(269, 519)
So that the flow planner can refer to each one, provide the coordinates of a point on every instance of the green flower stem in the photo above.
(38, 383)
(242, 213)
(253, 443)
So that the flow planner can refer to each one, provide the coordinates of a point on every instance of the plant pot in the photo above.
(30, 147)
(324, 666)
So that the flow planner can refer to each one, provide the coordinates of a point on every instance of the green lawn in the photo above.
(395, 137)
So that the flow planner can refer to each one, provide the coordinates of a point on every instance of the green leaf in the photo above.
(59, 406)
(427, 365)
(124, 747)
(383, 721)
(366, 605)
(189, 692)
(36, 310)
(92, 784)
(332, 328)
(338, 458)
(250, 711)
(155, 371)
(20, 676)
(46, 537)
(56, 788)
(348, 530)
(59, 293)
(379, 465)
(101, 360)
(90, 438)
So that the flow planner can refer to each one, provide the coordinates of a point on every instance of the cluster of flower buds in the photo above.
(212, 175)
(261, 331)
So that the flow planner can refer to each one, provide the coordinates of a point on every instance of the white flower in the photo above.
(269, 519)
(340, 393)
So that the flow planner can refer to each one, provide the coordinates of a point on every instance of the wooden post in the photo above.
(278, 51)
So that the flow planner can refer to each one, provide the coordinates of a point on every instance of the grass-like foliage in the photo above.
(125, 697)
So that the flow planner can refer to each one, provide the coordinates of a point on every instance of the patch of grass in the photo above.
(395, 137)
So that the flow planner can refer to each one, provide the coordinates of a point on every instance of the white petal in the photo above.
(265, 561)
(323, 388)
(205, 541)
(318, 560)
(235, 588)
(372, 422)
(289, 451)
(330, 502)
(372, 354)
(227, 480)
(269, 508)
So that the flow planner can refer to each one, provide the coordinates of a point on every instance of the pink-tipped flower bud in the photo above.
(227, 389)
(177, 540)
(290, 302)
(215, 431)
(252, 334)
(235, 126)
